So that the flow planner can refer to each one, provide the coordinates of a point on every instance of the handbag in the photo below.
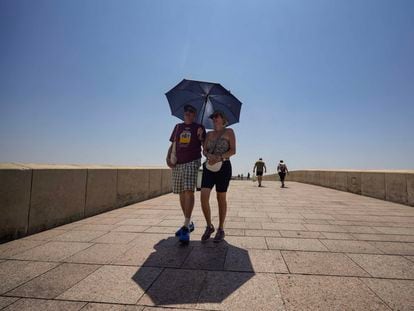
(216, 166)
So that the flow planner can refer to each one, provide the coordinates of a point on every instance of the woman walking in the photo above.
(219, 146)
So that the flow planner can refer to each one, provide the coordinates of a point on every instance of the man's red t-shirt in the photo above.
(188, 146)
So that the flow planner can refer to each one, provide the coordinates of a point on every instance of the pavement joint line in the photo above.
(375, 294)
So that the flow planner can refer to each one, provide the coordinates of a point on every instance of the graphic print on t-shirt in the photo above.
(185, 137)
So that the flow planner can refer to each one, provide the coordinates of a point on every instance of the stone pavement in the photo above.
(300, 248)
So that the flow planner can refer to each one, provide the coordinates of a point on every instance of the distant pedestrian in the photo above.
(282, 170)
(248, 176)
(259, 166)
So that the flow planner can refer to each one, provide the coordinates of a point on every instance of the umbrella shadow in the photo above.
(198, 273)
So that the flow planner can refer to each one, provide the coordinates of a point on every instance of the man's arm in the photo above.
(254, 168)
(265, 169)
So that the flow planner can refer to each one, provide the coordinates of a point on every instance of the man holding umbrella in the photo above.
(188, 138)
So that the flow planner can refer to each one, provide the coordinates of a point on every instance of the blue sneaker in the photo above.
(190, 226)
(185, 236)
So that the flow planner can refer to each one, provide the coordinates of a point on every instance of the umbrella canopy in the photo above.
(206, 97)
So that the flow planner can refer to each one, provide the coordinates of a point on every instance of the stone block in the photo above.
(58, 197)
(133, 186)
(341, 181)
(373, 184)
(410, 189)
(155, 182)
(354, 182)
(100, 191)
(14, 202)
(166, 183)
(396, 188)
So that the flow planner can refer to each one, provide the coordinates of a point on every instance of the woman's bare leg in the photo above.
(205, 204)
(222, 205)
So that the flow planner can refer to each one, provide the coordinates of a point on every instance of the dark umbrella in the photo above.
(206, 97)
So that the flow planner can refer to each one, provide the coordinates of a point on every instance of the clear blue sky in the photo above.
(324, 84)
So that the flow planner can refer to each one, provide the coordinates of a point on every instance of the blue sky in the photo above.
(324, 84)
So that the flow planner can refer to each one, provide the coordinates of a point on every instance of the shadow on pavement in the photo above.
(198, 273)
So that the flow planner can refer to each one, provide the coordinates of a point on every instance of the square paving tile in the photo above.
(321, 263)
(337, 236)
(395, 248)
(295, 244)
(15, 272)
(301, 234)
(175, 288)
(325, 228)
(348, 246)
(398, 294)
(282, 226)
(311, 292)
(44, 305)
(131, 228)
(5, 301)
(240, 291)
(52, 251)
(172, 257)
(206, 258)
(257, 232)
(99, 253)
(113, 284)
(7, 250)
(254, 260)
(93, 306)
(385, 266)
(247, 242)
(44, 235)
(78, 236)
(54, 282)
(117, 237)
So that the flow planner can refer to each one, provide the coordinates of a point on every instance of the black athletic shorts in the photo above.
(259, 173)
(282, 176)
(220, 179)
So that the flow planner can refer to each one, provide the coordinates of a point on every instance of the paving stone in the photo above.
(301, 234)
(240, 291)
(247, 242)
(131, 228)
(15, 272)
(117, 237)
(321, 263)
(337, 236)
(398, 294)
(99, 253)
(257, 232)
(206, 258)
(5, 301)
(395, 248)
(52, 251)
(113, 284)
(348, 246)
(93, 306)
(54, 282)
(92, 227)
(44, 305)
(295, 244)
(159, 257)
(384, 237)
(311, 292)
(282, 226)
(175, 288)
(78, 236)
(325, 228)
(254, 260)
(7, 250)
(44, 235)
(385, 266)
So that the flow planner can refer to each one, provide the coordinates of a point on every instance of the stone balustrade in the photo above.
(36, 197)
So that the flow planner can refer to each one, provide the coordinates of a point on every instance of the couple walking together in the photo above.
(188, 139)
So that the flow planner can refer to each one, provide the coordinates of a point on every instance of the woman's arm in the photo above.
(232, 144)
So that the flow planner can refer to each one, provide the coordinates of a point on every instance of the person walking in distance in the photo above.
(282, 170)
(259, 166)
(186, 140)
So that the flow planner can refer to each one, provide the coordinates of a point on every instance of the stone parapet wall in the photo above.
(36, 197)
(394, 186)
